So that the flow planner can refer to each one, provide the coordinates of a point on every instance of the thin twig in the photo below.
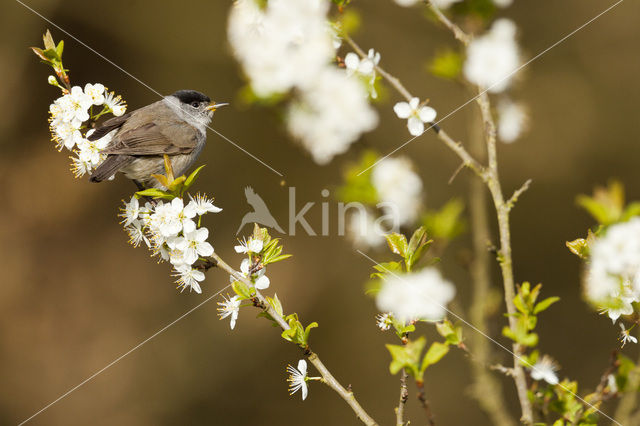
(517, 193)
(456, 30)
(425, 404)
(328, 379)
(404, 395)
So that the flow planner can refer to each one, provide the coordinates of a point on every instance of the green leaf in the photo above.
(279, 258)
(275, 304)
(176, 184)
(579, 247)
(446, 64)
(543, 305)
(155, 193)
(397, 243)
(192, 177)
(435, 353)
(60, 48)
(242, 290)
(407, 356)
(453, 333)
(446, 223)
(308, 330)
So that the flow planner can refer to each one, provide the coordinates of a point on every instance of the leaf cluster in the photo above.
(528, 309)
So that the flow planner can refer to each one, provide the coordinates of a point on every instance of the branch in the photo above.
(456, 147)
(424, 402)
(404, 395)
(487, 390)
(514, 198)
(456, 30)
(260, 302)
(505, 259)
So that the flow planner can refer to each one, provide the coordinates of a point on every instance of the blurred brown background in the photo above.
(74, 296)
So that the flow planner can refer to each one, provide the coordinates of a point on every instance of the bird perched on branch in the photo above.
(175, 126)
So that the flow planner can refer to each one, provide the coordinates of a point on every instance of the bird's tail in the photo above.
(110, 166)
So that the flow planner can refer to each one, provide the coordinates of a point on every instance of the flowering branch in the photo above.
(456, 147)
(490, 176)
(261, 302)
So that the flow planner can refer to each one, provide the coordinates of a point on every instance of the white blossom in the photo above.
(364, 67)
(202, 205)
(169, 218)
(115, 104)
(406, 3)
(512, 121)
(415, 114)
(545, 369)
(612, 281)
(364, 230)
(285, 45)
(259, 279)
(193, 245)
(398, 187)
(130, 211)
(95, 92)
(625, 335)
(253, 245)
(384, 321)
(503, 3)
(612, 384)
(230, 307)
(493, 58)
(420, 295)
(189, 277)
(330, 115)
(298, 379)
(77, 105)
(136, 233)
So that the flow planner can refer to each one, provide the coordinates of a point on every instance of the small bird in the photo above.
(175, 125)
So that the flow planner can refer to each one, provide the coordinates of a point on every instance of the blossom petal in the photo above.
(402, 110)
(427, 114)
(415, 126)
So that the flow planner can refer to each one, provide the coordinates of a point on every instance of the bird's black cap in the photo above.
(188, 96)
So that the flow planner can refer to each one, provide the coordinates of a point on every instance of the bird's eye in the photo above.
(195, 104)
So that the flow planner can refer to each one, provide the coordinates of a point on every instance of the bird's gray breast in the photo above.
(182, 162)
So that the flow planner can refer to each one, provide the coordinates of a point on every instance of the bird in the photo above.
(175, 126)
(260, 213)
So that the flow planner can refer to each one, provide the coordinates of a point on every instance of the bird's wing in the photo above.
(108, 126)
(166, 134)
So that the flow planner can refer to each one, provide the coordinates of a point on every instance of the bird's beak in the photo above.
(214, 106)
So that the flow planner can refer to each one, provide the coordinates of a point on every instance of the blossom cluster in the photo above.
(613, 275)
(289, 44)
(70, 115)
(170, 231)
(494, 57)
(421, 295)
(399, 188)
